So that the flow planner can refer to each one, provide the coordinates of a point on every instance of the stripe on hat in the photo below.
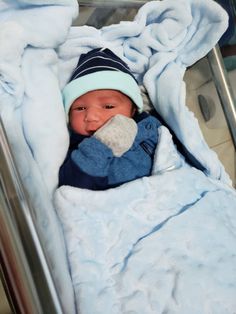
(101, 57)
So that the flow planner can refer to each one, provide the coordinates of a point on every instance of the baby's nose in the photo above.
(92, 114)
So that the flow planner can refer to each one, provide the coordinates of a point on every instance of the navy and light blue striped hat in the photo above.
(101, 69)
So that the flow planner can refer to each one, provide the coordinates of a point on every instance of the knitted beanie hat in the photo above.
(101, 69)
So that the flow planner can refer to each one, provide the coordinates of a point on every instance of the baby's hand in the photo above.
(118, 134)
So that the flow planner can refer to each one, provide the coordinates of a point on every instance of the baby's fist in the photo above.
(118, 134)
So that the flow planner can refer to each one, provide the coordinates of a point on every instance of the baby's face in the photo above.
(92, 110)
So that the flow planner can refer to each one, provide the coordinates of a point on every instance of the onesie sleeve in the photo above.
(87, 166)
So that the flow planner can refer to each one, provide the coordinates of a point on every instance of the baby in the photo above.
(111, 140)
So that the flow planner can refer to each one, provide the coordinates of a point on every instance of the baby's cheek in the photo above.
(108, 118)
(77, 124)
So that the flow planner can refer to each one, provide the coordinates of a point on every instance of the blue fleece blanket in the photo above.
(38, 51)
(160, 244)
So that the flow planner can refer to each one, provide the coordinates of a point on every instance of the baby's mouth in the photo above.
(91, 132)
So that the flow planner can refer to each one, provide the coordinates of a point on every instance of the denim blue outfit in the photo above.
(91, 164)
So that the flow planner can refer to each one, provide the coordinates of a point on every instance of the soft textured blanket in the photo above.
(38, 50)
(30, 103)
(160, 244)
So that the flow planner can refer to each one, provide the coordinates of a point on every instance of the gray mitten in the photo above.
(118, 134)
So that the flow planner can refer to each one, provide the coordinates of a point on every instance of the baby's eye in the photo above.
(109, 106)
(80, 108)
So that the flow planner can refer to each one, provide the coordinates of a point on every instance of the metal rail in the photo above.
(113, 4)
(224, 89)
(24, 266)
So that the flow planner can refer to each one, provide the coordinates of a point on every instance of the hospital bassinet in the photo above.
(34, 263)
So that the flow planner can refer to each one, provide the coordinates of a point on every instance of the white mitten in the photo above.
(118, 134)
